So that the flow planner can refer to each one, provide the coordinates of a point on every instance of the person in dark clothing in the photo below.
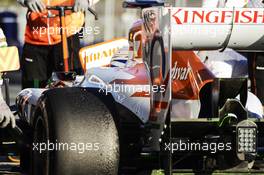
(42, 52)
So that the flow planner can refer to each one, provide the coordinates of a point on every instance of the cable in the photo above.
(226, 42)
(228, 116)
(13, 159)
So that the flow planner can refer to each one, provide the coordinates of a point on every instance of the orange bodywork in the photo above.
(135, 38)
(187, 89)
(189, 75)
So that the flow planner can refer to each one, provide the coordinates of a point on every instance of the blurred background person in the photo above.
(256, 62)
(240, 64)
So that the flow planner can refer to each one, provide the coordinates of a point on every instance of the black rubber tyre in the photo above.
(76, 117)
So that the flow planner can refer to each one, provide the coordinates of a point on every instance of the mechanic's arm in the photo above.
(33, 5)
(6, 116)
(81, 5)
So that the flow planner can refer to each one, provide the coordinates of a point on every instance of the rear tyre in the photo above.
(77, 118)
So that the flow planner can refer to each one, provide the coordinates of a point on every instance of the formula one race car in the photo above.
(148, 102)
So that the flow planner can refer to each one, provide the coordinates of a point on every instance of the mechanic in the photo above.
(42, 52)
(6, 116)
(255, 60)
(256, 63)
(256, 71)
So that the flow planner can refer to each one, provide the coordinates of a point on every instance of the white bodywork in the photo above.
(217, 28)
(227, 64)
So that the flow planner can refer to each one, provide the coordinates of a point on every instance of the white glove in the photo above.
(6, 116)
(81, 5)
(35, 5)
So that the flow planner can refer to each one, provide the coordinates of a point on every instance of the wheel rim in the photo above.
(157, 74)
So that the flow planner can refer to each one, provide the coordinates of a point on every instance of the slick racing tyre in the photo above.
(74, 134)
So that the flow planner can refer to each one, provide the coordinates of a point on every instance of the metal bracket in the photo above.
(6, 86)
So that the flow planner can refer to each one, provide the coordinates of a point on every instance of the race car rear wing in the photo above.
(168, 29)
(207, 28)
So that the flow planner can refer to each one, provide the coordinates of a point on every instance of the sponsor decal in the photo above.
(180, 73)
(100, 54)
(217, 16)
